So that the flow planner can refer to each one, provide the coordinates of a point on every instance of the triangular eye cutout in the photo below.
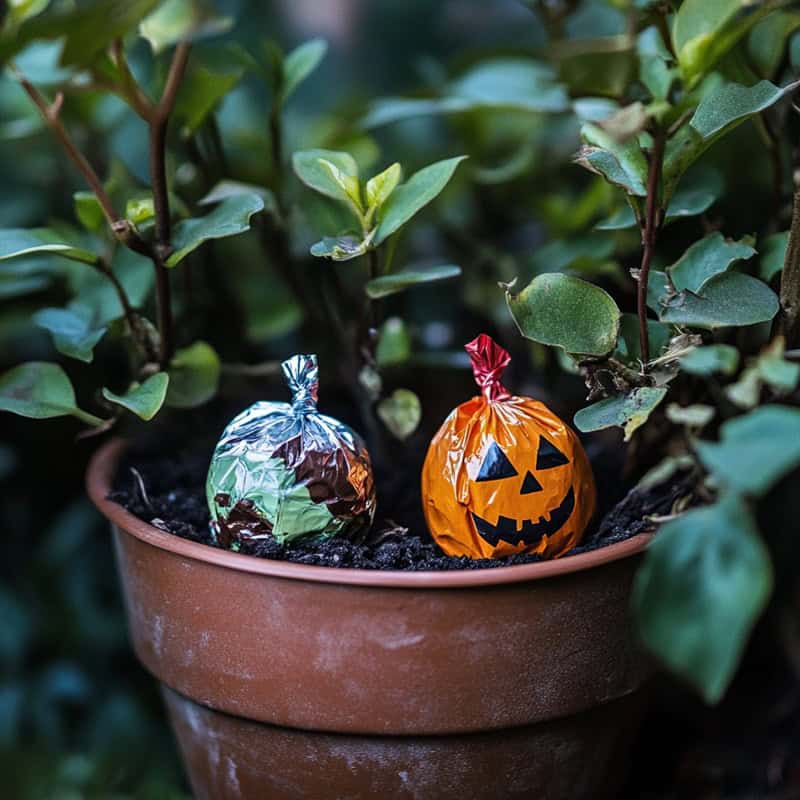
(495, 465)
(530, 484)
(549, 456)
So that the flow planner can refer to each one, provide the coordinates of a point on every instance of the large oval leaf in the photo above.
(193, 376)
(705, 580)
(705, 259)
(309, 166)
(19, 242)
(73, 330)
(567, 312)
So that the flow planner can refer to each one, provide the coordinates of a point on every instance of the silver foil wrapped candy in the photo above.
(285, 471)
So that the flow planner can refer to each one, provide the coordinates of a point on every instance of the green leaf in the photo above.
(73, 330)
(520, 84)
(394, 343)
(20, 10)
(704, 30)
(756, 450)
(622, 164)
(309, 166)
(566, 312)
(774, 370)
(230, 218)
(19, 242)
(201, 92)
(696, 416)
(407, 279)
(86, 28)
(182, 21)
(88, 211)
(40, 390)
(728, 299)
(773, 254)
(227, 188)
(721, 358)
(193, 376)
(382, 185)
(140, 209)
(685, 203)
(628, 411)
(348, 184)
(629, 345)
(340, 248)
(300, 63)
(413, 195)
(710, 256)
(719, 112)
(145, 399)
(766, 44)
(401, 413)
(705, 580)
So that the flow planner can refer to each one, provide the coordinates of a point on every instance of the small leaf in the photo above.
(201, 92)
(567, 312)
(704, 259)
(719, 112)
(300, 63)
(182, 21)
(19, 242)
(728, 299)
(73, 331)
(756, 450)
(382, 185)
(340, 248)
(721, 358)
(140, 209)
(88, 211)
(685, 203)
(145, 399)
(309, 168)
(230, 218)
(193, 376)
(413, 195)
(227, 188)
(407, 279)
(705, 580)
(697, 415)
(348, 184)
(401, 413)
(774, 370)
(40, 390)
(622, 164)
(773, 254)
(628, 411)
(394, 343)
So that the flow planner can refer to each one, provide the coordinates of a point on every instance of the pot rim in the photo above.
(98, 483)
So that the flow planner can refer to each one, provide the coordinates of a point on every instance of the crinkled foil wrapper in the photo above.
(285, 471)
(504, 475)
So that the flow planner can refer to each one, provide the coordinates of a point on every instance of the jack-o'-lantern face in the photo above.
(533, 490)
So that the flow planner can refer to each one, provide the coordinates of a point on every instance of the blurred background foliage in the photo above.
(78, 717)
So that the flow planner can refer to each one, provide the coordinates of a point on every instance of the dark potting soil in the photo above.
(163, 484)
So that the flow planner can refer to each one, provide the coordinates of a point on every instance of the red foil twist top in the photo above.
(488, 362)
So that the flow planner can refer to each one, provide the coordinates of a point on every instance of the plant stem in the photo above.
(652, 222)
(158, 121)
(276, 145)
(788, 321)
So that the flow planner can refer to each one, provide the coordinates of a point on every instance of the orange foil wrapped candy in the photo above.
(504, 474)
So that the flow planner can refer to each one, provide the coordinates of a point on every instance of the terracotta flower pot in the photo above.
(292, 681)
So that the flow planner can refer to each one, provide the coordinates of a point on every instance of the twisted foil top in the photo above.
(488, 362)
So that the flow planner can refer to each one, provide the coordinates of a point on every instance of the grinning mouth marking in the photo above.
(531, 532)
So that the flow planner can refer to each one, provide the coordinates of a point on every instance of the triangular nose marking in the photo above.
(495, 465)
(530, 484)
(548, 456)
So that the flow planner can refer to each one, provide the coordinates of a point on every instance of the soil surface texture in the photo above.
(165, 486)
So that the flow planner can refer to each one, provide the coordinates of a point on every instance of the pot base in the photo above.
(573, 758)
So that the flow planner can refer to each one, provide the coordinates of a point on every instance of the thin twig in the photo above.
(652, 222)
(788, 320)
